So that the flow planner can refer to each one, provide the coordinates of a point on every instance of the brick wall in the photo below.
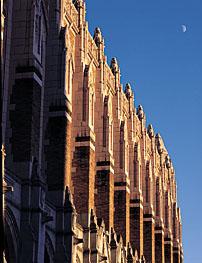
(122, 214)
(136, 229)
(83, 178)
(159, 246)
(149, 240)
(25, 119)
(104, 197)
(168, 251)
(57, 152)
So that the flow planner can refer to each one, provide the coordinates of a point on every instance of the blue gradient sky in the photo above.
(164, 67)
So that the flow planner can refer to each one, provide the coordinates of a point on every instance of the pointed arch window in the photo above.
(105, 117)
(122, 144)
(111, 137)
(157, 197)
(92, 109)
(39, 36)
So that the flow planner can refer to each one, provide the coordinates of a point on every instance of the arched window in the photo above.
(147, 183)
(127, 158)
(166, 209)
(39, 36)
(85, 92)
(111, 137)
(157, 197)
(92, 109)
(122, 145)
(105, 118)
(70, 78)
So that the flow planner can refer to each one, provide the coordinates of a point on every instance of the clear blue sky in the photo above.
(164, 67)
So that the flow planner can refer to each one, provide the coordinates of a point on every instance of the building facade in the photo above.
(90, 182)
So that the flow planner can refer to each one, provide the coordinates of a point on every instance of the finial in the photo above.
(158, 136)
(113, 242)
(168, 161)
(68, 202)
(159, 143)
(143, 259)
(150, 131)
(93, 226)
(127, 91)
(114, 65)
(136, 256)
(97, 36)
(140, 112)
(129, 254)
(77, 4)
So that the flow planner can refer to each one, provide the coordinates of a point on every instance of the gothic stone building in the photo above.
(90, 182)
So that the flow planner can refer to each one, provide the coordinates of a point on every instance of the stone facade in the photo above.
(91, 182)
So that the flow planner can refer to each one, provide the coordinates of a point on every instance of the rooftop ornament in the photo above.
(150, 131)
(77, 4)
(127, 91)
(140, 112)
(114, 66)
(97, 36)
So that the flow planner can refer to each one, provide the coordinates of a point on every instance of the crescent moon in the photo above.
(184, 28)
